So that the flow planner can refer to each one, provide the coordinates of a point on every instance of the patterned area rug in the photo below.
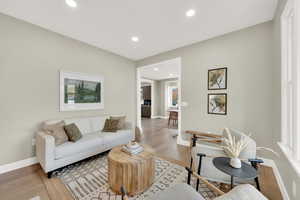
(87, 180)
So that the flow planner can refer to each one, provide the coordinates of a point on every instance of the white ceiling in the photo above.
(161, 25)
(166, 70)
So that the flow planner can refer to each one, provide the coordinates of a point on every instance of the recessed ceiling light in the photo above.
(156, 69)
(135, 39)
(170, 74)
(71, 3)
(190, 13)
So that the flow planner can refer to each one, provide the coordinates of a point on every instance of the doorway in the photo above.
(159, 92)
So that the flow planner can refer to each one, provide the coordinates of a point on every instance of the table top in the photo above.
(120, 156)
(245, 172)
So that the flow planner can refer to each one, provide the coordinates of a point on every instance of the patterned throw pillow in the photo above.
(73, 132)
(57, 131)
(111, 125)
(121, 124)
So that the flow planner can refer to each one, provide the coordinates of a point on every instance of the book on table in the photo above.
(133, 149)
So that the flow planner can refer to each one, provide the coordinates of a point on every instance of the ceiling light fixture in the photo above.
(170, 74)
(71, 3)
(156, 69)
(135, 39)
(190, 13)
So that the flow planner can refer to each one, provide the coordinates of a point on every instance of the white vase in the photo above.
(235, 163)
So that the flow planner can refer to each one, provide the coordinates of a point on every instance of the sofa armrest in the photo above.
(45, 148)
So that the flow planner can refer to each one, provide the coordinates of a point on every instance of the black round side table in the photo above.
(245, 172)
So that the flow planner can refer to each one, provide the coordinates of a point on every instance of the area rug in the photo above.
(87, 180)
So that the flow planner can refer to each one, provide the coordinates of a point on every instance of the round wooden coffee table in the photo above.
(134, 172)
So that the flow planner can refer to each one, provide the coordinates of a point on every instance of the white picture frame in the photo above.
(71, 105)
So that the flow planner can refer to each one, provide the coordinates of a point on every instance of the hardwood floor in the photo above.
(30, 182)
(161, 138)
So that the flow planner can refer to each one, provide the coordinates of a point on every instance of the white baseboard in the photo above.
(159, 117)
(17, 165)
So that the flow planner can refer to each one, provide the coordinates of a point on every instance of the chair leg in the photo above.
(191, 164)
(201, 155)
(257, 183)
(255, 163)
(49, 174)
(189, 174)
(123, 192)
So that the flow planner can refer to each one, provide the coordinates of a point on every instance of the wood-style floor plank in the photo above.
(56, 189)
(24, 187)
(268, 183)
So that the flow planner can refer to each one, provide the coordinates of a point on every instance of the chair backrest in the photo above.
(250, 151)
(173, 115)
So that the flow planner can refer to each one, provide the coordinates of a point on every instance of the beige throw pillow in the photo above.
(122, 120)
(73, 132)
(57, 131)
(111, 125)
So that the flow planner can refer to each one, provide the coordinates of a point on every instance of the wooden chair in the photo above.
(201, 157)
(124, 193)
(173, 115)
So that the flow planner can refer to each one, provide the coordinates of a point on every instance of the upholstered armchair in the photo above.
(205, 146)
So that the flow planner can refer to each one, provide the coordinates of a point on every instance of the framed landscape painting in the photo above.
(217, 104)
(217, 79)
(80, 91)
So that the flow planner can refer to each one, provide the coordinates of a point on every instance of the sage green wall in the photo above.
(248, 54)
(30, 60)
(287, 172)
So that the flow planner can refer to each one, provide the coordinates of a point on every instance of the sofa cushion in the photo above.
(178, 191)
(57, 131)
(88, 141)
(83, 124)
(114, 139)
(122, 120)
(111, 125)
(97, 123)
(73, 132)
(243, 192)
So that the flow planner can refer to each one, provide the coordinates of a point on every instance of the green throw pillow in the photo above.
(121, 124)
(111, 125)
(73, 132)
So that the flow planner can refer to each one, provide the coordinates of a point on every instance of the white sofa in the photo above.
(93, 142)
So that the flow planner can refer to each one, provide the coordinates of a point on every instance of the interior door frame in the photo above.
(138, 92)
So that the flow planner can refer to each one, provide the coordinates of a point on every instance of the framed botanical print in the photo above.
(217, 104)
(80, 91)
(217, 79)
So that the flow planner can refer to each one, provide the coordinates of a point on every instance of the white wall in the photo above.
(30, 60)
